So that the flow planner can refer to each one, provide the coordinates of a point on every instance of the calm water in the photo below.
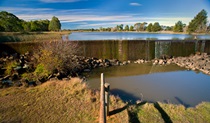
(131, 36)
(156, 83)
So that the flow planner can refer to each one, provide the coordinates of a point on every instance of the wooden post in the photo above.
(107, 88)
(102, 117)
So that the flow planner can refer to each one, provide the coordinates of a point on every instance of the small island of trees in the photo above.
(198, 24)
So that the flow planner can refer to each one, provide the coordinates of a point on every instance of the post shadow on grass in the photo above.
(131, 99)
(182, 102)
(118, 110)
(164, 115)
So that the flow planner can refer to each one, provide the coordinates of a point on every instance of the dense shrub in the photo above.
(10, 67)
(52, 57)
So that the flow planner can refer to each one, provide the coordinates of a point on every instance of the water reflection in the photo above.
(156, 84)
(131, 36)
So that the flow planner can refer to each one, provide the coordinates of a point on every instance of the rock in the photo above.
(160, 62)
(138, 102)
(32, 84)
(17, 83)
(118, 63)
(156, 62)
(54, 79)
(86, 70)
(169, 61)
(125, 63)
(100, 60)
(107, 64)
(65, 79)
(24, 82)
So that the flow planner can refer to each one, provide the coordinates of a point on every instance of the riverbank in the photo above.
(56, 101)
(31, 36)
(72, 101)
(198, 62)
(162, 32)
(14, 68)
(19, 69)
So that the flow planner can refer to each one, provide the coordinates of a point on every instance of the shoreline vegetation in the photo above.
(32, 36)
(159, 32)
(72, 101)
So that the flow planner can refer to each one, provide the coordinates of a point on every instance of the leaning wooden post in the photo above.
(107, 88)
(102, 103)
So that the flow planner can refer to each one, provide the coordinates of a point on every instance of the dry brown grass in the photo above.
(31, 36)
(72, 102)
(55, 101)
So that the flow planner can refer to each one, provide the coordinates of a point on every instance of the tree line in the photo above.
(198, 24)
(11, 23)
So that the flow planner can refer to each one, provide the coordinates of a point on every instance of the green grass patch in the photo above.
(162, 112)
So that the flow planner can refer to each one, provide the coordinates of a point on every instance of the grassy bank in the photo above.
(31, 36)
(55, 101)
(168, 113)
(72, 102)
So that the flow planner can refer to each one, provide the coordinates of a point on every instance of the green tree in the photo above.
(131, 28)
(199, 23)
(35, 26)
(178, 27)
(126, 28)
(169, 28)
(26, 26)
(9, 22)
(156, 27)
(44, 24)
(119, 27)
(54, 24)
(208, 28)
(149, 27)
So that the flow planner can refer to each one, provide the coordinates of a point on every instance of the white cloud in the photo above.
(21, 9)
(135, 4)
(91, 18)
(59, 1)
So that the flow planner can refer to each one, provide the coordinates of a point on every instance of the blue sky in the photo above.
(75, 14)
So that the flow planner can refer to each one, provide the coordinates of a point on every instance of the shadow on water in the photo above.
(182, 102)
(164, 115)
(126, 97)
(6, 48)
